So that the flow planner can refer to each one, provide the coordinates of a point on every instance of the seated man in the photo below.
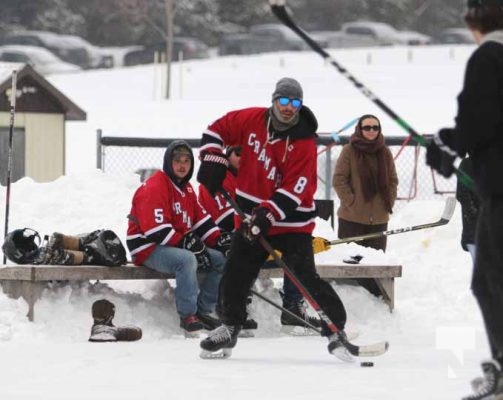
(168, 232)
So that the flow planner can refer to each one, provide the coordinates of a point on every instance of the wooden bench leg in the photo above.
(387, 287)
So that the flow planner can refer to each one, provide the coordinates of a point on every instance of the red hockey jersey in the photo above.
(218, 207)
(162, 213)
(278, 169)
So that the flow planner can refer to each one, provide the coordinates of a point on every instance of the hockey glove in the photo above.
(212, 171)
(195, 245)
(224, 243)
(261, 220)
(440, 153)
(320, 244)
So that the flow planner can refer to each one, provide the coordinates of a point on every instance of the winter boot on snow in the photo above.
(336, 346)
(491, 386)
(191, 326)
(103, 330)
(292, 325)
(220, 342)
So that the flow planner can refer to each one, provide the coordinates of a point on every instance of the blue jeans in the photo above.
(190, 297)
(292, 295)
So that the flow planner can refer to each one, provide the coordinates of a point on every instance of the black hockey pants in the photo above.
(243, 266)
(487, 281)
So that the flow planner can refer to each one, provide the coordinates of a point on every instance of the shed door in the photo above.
(18, 152)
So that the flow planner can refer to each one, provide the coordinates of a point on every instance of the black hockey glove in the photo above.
(195, 245)
(261, 220)
(440, 153)
(212, 171)
(224, 243)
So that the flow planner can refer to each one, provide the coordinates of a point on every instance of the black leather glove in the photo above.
(261, 220)
(224, 243)
(212, 171)
(440, 153)
(192, 243)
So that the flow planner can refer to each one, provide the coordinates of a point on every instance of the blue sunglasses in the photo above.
(284, 101)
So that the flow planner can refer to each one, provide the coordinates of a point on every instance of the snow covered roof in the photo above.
(71, 110)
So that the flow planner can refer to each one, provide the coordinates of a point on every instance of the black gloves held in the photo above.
(212, 171)
(440, 153)
(261, 220)
(224, 243)
(192, 243)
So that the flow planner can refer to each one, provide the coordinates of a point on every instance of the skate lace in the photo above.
(487, 386)
(221, 334)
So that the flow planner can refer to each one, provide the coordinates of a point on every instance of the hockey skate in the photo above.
(337, 348)
(220, 342)
(490, 387)
(209, 322)
(293, 326)
(103, 330)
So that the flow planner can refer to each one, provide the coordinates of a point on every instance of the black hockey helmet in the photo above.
(21, 245)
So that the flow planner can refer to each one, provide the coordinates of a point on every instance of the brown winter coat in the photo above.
(348, 186)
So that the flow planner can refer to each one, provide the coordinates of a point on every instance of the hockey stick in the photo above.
(450, 205)
(9, 160)
(279, 10)
(359, 351)
(283, 309)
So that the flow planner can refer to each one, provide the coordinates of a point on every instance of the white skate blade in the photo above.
(217, 355)
(343, 354)
(246, 333)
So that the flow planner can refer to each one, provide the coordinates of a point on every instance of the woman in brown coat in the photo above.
(366, 182)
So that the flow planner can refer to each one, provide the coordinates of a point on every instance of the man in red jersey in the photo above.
(223, 214)
(275, 189)
(168, 231)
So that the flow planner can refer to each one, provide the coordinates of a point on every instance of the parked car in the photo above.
(261, 39)
(413, 38)
(188, 47)
(97, 57)
(455, 36)
(42, 60)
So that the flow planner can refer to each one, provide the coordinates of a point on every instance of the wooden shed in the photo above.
(39, 125)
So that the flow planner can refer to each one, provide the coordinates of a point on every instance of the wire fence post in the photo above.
(328, 174)
(99, 149)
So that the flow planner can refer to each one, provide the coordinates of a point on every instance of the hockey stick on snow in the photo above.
(450, 205)
(279, 10)
(359, 351)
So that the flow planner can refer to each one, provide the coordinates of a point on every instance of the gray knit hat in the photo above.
(288, 87)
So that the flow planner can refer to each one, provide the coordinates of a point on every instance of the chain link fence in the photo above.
(123, 155)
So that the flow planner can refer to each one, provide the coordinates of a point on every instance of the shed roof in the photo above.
(71, 111)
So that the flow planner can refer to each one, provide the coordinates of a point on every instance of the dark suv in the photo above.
(190, 48)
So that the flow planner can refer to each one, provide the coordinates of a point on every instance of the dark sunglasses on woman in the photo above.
(368, 128)
(296, 103)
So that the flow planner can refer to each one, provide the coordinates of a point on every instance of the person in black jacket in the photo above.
(479, 133)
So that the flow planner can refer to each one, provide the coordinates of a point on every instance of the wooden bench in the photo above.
(28, 281)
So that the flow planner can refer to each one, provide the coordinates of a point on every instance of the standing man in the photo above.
(168, 232)
(275, 189)
(479, 132)
(223, 214)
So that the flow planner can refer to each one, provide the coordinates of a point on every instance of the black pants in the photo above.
(487, 280)
(348, 229)
(243, 266)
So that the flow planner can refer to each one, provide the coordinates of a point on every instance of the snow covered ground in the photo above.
(435, 333)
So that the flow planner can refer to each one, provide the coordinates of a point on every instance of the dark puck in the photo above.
(366, 364)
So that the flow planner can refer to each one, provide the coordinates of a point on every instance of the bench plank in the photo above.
(27, 280)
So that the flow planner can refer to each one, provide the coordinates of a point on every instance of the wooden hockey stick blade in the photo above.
(450, 205)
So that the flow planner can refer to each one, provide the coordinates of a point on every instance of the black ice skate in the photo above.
(220, 342)
(209, 322)
(491, 386)
(103, 330)
(293, 326)
(337, 348)
(191, 326)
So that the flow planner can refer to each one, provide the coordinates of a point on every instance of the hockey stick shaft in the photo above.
(450, 205)
(370, 350)
(279, 10)
(283, 309)
(9, 160)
